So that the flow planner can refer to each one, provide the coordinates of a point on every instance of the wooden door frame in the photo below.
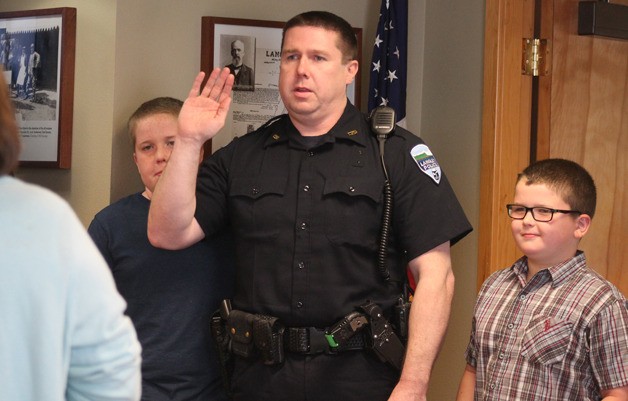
(506, 117)
(517, 118)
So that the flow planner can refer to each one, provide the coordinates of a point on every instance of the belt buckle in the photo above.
(318, 343)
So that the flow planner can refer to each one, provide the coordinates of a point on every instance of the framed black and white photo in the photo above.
(256, 90)
(37, 50)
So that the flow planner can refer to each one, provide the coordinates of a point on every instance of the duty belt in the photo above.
(251, 335)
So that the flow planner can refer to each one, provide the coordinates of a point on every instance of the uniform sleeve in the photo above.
(426, 211)
(104, 361)
(609, 346)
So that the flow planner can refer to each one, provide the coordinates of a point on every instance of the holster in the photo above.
(341, 333)
(400, 318)
(222, 343)
(240, 328)
(383, 340)
(254, 335)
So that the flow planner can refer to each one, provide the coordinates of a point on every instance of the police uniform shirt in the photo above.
(307, 221)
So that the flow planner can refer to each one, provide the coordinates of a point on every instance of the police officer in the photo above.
(304, 196)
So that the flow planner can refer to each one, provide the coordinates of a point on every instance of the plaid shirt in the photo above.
(561, 336)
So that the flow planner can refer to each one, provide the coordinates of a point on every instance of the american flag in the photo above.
(389, 63)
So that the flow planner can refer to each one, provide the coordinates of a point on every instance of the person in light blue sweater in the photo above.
(63, 333)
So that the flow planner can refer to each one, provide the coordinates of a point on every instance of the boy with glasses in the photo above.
(548, 327)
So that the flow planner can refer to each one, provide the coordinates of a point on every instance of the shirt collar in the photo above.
(349, 127)
(559, 274)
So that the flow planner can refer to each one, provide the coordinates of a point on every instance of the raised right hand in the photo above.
(204, 111)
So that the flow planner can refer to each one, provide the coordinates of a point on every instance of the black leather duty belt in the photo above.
(312, 341)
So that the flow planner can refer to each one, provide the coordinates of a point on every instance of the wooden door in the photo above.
(578, 111)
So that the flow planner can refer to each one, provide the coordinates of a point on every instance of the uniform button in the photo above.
(299, 304)
(510, 326)
(523, 297)
(255, 191)
(310, 153)
(351, 189)
(501, 356)
(304, 226)
(301, 265)
(306, 188)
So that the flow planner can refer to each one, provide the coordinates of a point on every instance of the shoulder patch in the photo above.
(426, 161)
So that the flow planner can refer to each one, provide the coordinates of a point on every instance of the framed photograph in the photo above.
(252, 50)
(37, 49)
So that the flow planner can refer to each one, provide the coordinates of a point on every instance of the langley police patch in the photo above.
(426, 161)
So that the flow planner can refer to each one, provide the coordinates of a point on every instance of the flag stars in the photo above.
(378, 41)
(392, 75)
(388, 67)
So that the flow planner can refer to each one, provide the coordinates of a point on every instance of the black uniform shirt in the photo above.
(307, 221)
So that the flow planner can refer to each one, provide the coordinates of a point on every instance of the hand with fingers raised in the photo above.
(204, 111)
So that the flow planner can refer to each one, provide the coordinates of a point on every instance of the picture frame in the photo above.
(255, 97)
(37, 56)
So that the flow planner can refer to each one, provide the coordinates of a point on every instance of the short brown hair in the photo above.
(158, 105)
(9, 133)
(348, 44)
(569, 179)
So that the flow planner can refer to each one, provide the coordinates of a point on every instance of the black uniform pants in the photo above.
(351, 375)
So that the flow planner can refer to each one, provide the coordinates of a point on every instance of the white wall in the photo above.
(451, 124)
(132, 50)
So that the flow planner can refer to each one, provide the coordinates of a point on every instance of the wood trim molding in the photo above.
(505, 127)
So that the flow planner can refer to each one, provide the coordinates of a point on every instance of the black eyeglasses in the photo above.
(542, 214)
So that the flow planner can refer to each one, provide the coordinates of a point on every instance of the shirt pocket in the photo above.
(353, 211)
(546, 340)
(254, 204)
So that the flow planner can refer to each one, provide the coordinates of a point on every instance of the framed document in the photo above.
(37, 51)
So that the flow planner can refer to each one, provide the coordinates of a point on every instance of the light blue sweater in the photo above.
(63, 335)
